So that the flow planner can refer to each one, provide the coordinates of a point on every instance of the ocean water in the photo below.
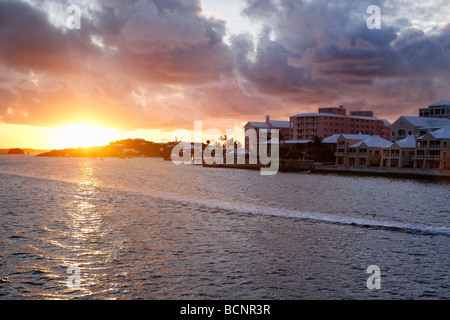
(147, 229)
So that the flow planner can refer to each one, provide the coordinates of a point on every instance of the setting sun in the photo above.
(84, 135)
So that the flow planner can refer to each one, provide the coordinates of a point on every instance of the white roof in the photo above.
(275, 140)
(317, 114)
(443, 133)
(262, 125)
(334, 137)
(374, 142)
(280, 124)
(331, 139)
(296, 141)
(440, 103)
(409, 142)
(424, 122)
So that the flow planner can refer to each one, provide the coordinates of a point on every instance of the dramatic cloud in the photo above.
(163, 64)
(325, 47)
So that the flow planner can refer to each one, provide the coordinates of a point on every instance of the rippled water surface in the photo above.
(147, 229)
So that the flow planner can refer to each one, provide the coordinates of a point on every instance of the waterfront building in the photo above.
(415, 126)
(433, 150)
(343, 143)
(440, 109)
(365, 152)
(329, 121)
(399, 154)
(282, 126)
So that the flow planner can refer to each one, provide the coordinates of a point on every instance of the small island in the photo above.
(16, 151)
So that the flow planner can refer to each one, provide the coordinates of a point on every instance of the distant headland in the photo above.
(127, 148)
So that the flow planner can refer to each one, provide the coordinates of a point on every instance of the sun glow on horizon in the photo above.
(83, 135)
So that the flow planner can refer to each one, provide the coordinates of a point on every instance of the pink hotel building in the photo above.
(329, 121)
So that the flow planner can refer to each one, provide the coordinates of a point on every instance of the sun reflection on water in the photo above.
(87, 230)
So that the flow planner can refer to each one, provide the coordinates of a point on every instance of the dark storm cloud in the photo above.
(327, 45)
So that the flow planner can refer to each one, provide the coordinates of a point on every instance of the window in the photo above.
(393, 133)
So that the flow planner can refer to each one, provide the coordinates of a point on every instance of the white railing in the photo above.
(426, 157)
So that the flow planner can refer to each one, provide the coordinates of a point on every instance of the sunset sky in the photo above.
(145, 68)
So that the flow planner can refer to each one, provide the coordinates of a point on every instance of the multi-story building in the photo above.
(415, 126)
(399, 154)
(282, 126)
(329, 121)
(440, 109)
(360, 150)
(433, 150)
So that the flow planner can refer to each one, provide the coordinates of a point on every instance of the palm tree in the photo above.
(318, 151)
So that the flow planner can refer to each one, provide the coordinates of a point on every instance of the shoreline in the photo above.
(347, 170)
(392, 172)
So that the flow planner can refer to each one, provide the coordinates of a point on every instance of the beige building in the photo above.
(440, 109)
(433, 150)
(415, 126)
(360, 150)
(399, 154)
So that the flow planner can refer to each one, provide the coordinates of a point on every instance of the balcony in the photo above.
(394, 156)
(363, 154)
(435, 146)
(427, 157)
